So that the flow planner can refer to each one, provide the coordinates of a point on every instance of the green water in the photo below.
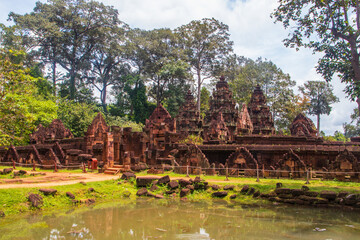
(173, 220)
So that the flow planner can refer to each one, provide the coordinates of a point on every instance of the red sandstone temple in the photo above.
(242, 139)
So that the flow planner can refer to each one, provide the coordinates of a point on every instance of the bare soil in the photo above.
(54, 179)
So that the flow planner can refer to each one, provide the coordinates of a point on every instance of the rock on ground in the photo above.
(35, 199)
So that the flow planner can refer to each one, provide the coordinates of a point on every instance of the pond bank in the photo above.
(237, 191)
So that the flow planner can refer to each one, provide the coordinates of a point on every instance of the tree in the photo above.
(76, 116)
(22, 105)
(352, 129)
(328, 27)
(108, 62)
(206, 43)
(157, 59)
(321, 96)
(66, 32)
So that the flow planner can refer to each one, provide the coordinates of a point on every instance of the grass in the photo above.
(14, 201)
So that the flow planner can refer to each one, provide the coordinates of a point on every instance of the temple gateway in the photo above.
(242, 140)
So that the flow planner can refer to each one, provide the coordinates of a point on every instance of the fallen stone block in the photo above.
(154, 188)
(311, 194)
(184, 192)
(128, 175)
(142, 192)
(163, 180)
(70, 195)
(215, 187)
(244, 189)
(35, 199)
(297, 192)
(48, 191)
(228, 187)
(233, 196)
(283, 191)
(329, 195)
(184, 182)
(251, 191)
(173, 184)
(7, 171)
(220, 194)
(256, 194)
(145, 181)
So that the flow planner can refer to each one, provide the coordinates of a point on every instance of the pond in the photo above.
(149, 219)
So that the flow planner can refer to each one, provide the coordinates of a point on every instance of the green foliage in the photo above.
(123, 122)
(22, 106)
(76, 116)
(338, 136)
(352, 129)
(330, 28)
(66, 32)
(204, 101)
(193, 139)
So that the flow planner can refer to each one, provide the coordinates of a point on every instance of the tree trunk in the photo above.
(103, 96)
(355, 64)
(72, 84)
(318, 124)
(199, 91)
(54, 76)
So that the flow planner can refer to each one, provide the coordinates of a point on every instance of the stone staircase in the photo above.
(116, 169)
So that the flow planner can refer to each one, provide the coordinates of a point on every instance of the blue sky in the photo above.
(252, 30)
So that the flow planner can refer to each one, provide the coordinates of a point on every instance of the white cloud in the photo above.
(252, 30)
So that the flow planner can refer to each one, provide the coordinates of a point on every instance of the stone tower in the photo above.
(260, 114)
(222, 102)
(188, 120)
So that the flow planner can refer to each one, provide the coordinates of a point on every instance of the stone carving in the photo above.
(242, 159)
(292, 164)
(97, 128)
(56, 130)
(303, 126)
(345, 162)
(216, 131)
(244, 123)
(260, 114)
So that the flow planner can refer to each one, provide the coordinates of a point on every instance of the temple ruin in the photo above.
(244, 140)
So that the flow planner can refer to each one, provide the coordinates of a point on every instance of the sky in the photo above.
(252, 30)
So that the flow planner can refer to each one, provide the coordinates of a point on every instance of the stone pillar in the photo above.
(108, 150)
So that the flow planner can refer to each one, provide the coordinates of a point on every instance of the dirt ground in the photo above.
(54, 179)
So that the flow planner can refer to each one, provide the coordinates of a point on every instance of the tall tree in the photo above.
(66, 32)
(320, 96)
(206, 43)
(108, 63)
(331, 28)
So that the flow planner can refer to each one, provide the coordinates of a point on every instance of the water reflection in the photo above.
(172, 220)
